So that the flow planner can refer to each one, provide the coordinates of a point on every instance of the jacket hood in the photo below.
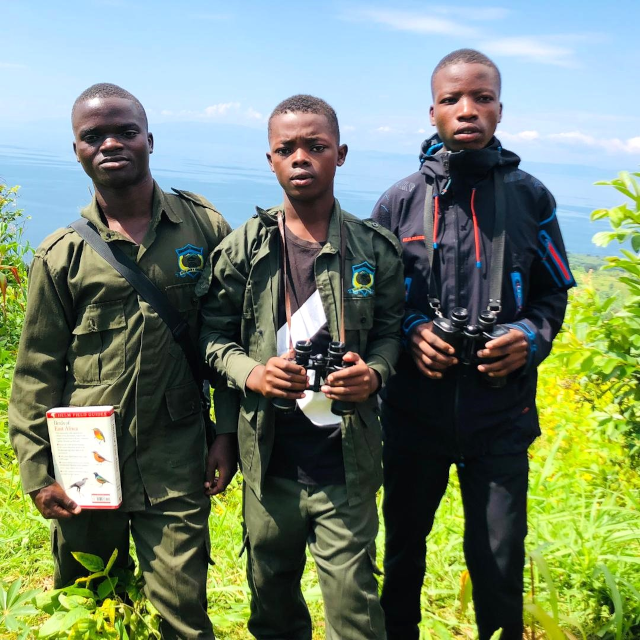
(471, 165)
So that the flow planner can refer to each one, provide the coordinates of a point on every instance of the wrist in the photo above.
(375, 381)
(254, 379)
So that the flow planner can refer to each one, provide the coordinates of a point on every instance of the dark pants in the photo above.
(172, 545)
(494, 496)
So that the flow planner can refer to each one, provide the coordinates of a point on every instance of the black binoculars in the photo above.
(468, 339)
(323, 365)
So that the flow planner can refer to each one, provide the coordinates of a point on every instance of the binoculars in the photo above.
(468, 339)
(323, 365)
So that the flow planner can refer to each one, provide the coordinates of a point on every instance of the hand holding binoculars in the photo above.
(468, 339)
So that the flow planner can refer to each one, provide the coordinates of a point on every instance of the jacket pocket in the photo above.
(183, 401)
(97, 353)
(358, 321)
(518, 294)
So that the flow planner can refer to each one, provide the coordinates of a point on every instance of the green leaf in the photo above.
(72, 617)
(89, 561)
(106, 587)
(618, 615)
(111, 562)
(543, 568)
(52, 625)
(552, 630)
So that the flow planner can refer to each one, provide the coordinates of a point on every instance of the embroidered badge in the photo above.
(190, 261)
(362, 279)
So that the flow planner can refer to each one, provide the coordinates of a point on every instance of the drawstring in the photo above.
(476, 231)
(436, 212)
(436, 215)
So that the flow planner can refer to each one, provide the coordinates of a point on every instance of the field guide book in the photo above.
(85, 455)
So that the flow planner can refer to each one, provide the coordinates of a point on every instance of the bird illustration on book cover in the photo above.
(78, 485)
(100, 479)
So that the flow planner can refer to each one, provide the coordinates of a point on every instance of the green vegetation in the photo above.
(583, 575)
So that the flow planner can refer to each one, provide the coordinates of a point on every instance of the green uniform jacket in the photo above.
(88, 339)
(240, 318)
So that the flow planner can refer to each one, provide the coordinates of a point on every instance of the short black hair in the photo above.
(303, 103)
(108, 90)
(468, 56)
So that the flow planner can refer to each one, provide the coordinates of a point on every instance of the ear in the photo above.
(269, 161)
(342, 154)
(500, 113)
(150, 142)
(432, 116)
(75, 152)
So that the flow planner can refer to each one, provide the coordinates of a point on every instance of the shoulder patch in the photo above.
(195, 198)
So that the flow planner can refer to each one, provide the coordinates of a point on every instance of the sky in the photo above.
(569, 74)
(569, 67)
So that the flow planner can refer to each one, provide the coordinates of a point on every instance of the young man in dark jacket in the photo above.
(479, 235)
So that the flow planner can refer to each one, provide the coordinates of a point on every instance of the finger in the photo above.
(289, 366)
(425, 371)
(430, 355)
(436, 343)
(274, 392)
(348, 375)
(340, 392)
(287, 384)
(222, 481)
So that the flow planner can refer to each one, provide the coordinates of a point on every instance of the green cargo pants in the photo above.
(172, 545)
(341, 539)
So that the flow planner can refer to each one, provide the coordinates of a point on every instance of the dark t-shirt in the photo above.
(303, 451)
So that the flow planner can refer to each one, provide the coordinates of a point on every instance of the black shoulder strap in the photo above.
(132, 273)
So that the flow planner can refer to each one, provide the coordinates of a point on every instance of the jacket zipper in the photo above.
(457, 274)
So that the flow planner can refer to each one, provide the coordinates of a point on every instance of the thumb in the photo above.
(351, 356)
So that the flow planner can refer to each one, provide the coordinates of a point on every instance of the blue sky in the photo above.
(570, 89)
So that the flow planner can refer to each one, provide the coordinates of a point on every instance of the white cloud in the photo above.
(252, 114)
(473, 13)
(421, 131)
(577, 138)
(526, 136)
(416, 23)
(529, 48)
(221, 109)
(384, 129)
(12, 65)
(348, 127)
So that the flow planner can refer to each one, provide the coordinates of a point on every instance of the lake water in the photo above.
(54, 188)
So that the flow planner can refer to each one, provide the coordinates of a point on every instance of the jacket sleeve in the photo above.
(40, 373)
(549, 280)
(383, 341)
(388, 212)
(226, 400)
(220, 339)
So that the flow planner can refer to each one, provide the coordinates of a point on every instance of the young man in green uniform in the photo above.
(89, 339)
(307, 270)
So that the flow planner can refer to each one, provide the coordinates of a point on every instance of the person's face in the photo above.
(111, 141)
(466, 105)
(304, 154)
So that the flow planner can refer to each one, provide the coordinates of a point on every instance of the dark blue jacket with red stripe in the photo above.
(460, 415)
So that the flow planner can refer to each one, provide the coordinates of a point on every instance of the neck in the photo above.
(309, 220)
(128, 204)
